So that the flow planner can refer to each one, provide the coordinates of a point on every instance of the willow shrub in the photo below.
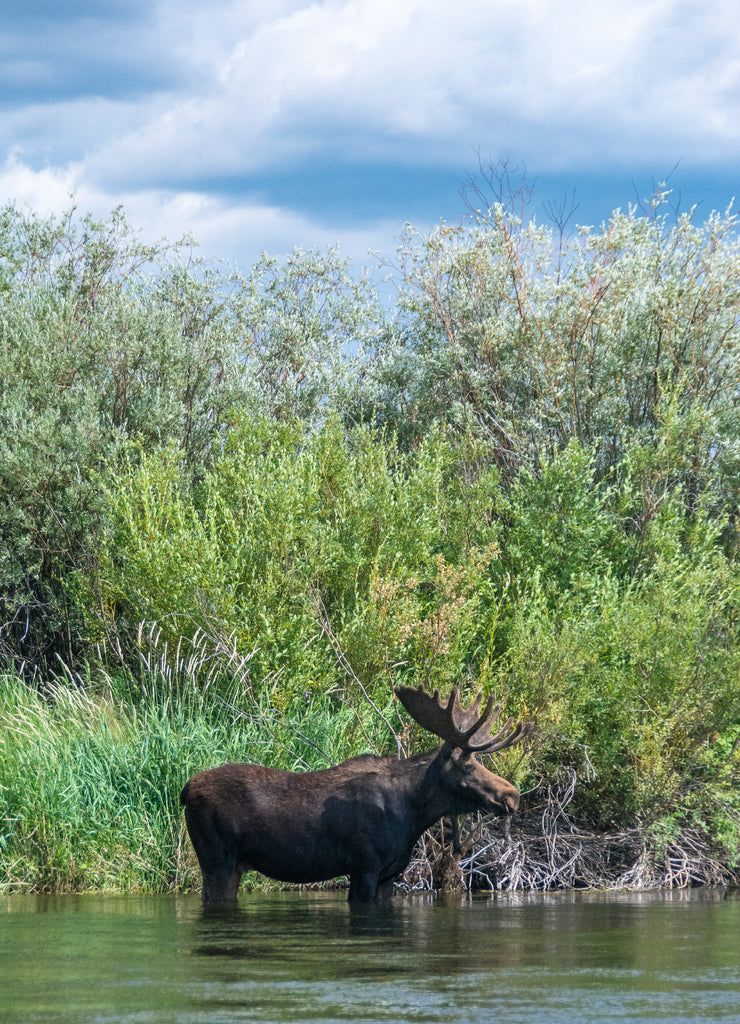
(296, 545)
(337, 565)
(624, 644)
(533, 341)
(105, 340)
(549, 513)
(101, 338)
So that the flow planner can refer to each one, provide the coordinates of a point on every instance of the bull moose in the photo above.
(360, 818)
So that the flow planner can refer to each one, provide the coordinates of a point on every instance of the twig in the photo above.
(543, 849)
(278, 719)
(342, 660)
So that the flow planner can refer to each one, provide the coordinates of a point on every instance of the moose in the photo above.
(360, 818)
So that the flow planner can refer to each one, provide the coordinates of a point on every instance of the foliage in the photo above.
(91, 350)
(386, 543)
(235, 510)
(104, 339)
(533, 340)
(300, 323)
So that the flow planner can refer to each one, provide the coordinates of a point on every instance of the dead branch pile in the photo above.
(543, 849)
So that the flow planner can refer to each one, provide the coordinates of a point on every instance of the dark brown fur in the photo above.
(360, 818)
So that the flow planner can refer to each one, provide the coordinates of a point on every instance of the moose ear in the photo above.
(454, 754)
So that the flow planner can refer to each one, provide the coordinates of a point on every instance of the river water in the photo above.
(557, 959)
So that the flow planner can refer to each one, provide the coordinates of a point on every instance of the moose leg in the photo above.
(221, 885)
(385, 889)
(221, 872)
(217, 857)
(363, 886)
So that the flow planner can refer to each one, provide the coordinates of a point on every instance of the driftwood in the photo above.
(542, 849)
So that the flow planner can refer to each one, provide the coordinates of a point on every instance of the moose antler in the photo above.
(461, 727)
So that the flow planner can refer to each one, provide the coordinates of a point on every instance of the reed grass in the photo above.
(90, 784)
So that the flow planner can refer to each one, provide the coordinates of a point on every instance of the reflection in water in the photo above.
(312, 957)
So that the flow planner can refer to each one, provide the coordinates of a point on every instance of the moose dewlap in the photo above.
(360, 818)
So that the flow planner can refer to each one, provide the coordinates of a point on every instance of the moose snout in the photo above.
(506, 800)
(511, 801)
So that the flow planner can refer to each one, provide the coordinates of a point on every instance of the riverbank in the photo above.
(238, 510)
(89, 801)
(544, 849)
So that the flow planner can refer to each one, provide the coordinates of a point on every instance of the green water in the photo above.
(311, 958)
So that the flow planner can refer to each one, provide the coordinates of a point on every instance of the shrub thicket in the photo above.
(250, 504)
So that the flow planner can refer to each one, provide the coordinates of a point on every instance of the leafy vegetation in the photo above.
(236, 510)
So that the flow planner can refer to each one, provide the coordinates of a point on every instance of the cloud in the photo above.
(291, 114)
(46, 191)
(423, 80)
(235, 231)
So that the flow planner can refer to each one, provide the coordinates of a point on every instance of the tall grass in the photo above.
(89, 785)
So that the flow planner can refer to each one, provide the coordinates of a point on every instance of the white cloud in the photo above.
(240, 232)
(46, 191)
(537, 78)
(235, 232)
(255, 89)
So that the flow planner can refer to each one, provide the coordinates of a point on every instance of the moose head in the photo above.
(466, 732)
(360, 818)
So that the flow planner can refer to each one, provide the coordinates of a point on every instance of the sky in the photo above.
(262, 125)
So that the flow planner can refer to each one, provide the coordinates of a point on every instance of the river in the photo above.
(300, 958)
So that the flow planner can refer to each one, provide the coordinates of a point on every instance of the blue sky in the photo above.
(265, 124)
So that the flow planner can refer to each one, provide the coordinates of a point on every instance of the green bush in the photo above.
(265, 498)
(107, 342)
(628, 658)
(291, 530)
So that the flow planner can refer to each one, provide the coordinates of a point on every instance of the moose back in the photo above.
(360, 818)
